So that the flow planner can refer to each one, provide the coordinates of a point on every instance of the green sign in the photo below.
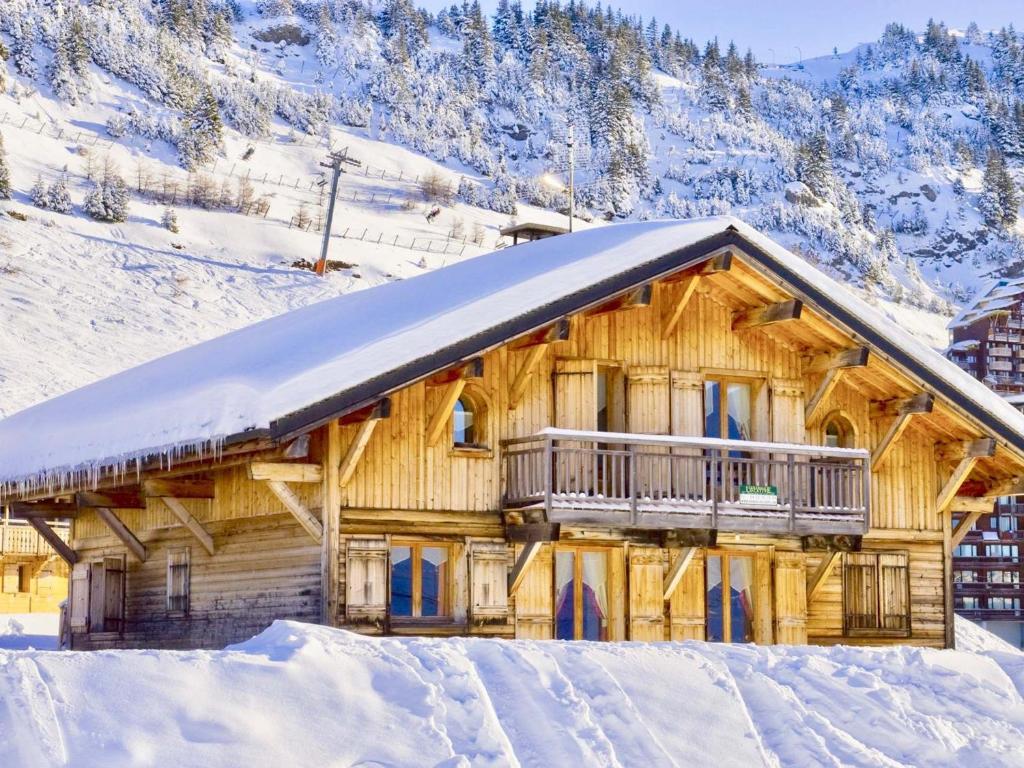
(759, 494)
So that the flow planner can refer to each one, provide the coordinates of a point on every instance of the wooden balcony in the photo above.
(651, 481)
(17, 537)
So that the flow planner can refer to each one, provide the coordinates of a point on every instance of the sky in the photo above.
(784, 32)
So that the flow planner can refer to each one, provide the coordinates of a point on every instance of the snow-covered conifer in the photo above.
(38, 193)
(58, 199)
(169, 220)
(5, 173)
(203, 131)
(108, 200)
(23, 53)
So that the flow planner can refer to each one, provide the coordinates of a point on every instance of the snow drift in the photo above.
(301, 695)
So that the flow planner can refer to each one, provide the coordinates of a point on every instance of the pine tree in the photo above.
(38, 193)
(61, 74)
(108, 200)
(23, 54)
(169, 220)
(203, 133)
(5, 173)
(814, 164)
(999, 198)
(58, 199)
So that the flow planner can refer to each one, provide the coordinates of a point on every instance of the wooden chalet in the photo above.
(33, 577)
(658, 431)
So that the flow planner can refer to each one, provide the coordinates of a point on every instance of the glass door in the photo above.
(581, 594)
(730, 597)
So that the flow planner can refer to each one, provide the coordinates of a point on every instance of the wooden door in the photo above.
(646, 601)
(686, 604)
(533, 600)
(575, 384)
(790, 598)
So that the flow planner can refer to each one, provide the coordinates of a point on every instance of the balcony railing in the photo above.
(17, 537)
(652, 481)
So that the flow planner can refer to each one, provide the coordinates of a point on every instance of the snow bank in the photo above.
(245, 380)
(302, 695)
(20, 631)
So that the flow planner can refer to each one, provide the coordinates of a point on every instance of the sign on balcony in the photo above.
(759, 494)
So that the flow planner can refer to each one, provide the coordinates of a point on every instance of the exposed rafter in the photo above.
(361, 439)
(110, 500)
(299, 511)
(674, 312)
(55, 541)
(982, 447)
(638, 297)
(122, 532)
(180, 489)
(471, 369)
(285, 472)
(194, 526)
(770, 314)
(556, 331)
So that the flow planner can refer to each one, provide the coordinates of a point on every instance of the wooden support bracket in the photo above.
(119, 529)
(983, 447)
(834, 367)
(189, 522)
(948, 492)
(518, 388)
(549, 334)
(515, 578)
(770, 314)
(817, 579)
(55, 541)
(179, 489)
(439, 419)
(677, 570)
(299, 511)
(965, 524)
(638, 297)
(905, 410)
(671, 318)
(110, 500)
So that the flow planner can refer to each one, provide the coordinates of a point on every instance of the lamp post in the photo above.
(572, 168)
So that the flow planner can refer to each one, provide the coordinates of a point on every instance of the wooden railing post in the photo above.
(715, 470)
(633, 490)
(549, 473)
(791, 481)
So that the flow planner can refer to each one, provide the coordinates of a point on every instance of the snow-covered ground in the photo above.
(22, 631)
(302, 695)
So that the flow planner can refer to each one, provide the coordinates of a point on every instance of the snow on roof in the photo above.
(246, 380)
(962, 346)
(997, 295)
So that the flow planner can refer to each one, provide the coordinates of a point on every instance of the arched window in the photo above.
(838, 431)
(464, 428)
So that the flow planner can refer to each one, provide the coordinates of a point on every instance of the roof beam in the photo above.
(471, 369)
(949, 490)
(121, 531)
(48, 510)
(856, 357)
(556, 331)
(677, 570)
(720, 262)
(673, 313)
(969, 504)
(54, 540)
(517, 389)
(982, 447)
(905, 410)
(181, 489)
(110, 500)
(817, 579)
(378, 410)
(770, 314)
(285, 473)
(299, 511)
(193, 525)
(638, 297)
(1013, 486)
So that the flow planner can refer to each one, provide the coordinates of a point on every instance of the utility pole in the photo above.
(572, 168)
(337, 159)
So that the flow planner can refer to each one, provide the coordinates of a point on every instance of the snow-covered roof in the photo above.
(311, 364)
(996, 296)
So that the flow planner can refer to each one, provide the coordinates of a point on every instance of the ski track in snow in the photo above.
(30, 730)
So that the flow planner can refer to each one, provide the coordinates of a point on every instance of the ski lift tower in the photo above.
(337, 160)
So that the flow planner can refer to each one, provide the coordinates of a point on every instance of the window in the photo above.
(611, 413)
(1009, 551)
(1004, 577)
(1004, 603)
(11, 579)
(581, 594)
(730, 598)
(727, 409)
(838, 432)
(965, 577)
(178, 578)
(966, 550)
(965, 603)
(420, 580)
(469, 420)
(876, 593)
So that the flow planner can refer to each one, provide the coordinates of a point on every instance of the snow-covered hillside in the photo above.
(302, 695)
(869, 163)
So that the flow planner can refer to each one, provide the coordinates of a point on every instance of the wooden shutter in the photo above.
(534, 600)
(178, 580)
(12, 577)
(113, 594)
(687, 604)
(576, 408)
(687, 419)
(860, 595)
(647, 413)
(78, 598)
(489, 581)
(763, 598)
(790, 599)
(787, 412)
(646, 601)
(894, 591)
(366, 581)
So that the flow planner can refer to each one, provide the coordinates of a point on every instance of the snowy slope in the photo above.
(302, 695)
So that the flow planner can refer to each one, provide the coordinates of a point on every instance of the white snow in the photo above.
(302, 695)
(246, 379)
(20, 631)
